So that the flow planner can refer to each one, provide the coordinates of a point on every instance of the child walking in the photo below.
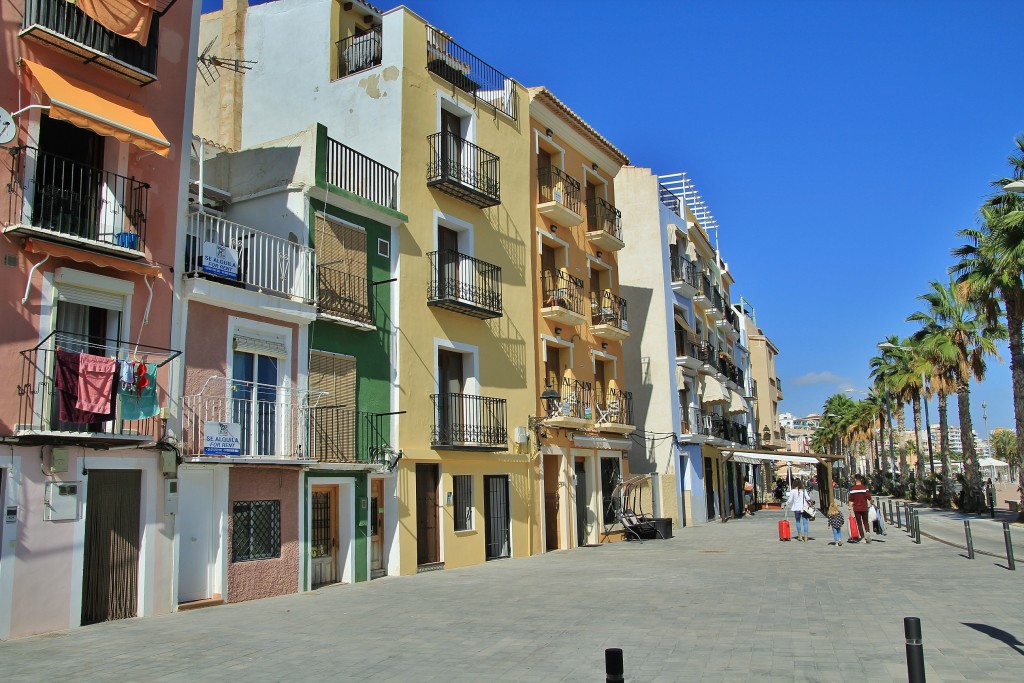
(835, 522)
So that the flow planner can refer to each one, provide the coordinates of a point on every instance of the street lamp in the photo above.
(1015, 186)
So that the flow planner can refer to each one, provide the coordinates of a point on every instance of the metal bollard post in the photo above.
(613, 670)
(890, 510)
(1009, 547)
(917, 528)
(915, 649)
(899, 521)
(970, 540)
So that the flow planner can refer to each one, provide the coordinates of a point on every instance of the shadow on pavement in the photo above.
(999, 634)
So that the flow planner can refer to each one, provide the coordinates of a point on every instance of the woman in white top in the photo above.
(798, 502)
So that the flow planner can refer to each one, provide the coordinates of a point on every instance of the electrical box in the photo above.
(11, 515)
(59, 460)
(62, 500)
(168, 462)
(171, 491)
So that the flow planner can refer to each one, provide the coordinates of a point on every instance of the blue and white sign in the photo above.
(220, 260)
(222, 438)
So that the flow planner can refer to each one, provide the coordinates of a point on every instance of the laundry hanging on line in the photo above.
(68, 380)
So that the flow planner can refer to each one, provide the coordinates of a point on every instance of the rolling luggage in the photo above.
(784, 530)
(854, 531)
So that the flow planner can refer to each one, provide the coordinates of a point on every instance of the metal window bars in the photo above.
(466, 71)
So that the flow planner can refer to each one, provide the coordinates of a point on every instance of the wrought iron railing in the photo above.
(608, 309)
(464, 170)
(686, 345)
(219, 248)
(683, 270)
(616, 408)
(709, 354)
(669, 199)
(359, 53)
(575, 400)
(690, 420)
(235, 418)
(342, 434)
(343, 295)
(48, 389)
(466, 71)
(556, 186)
(65, 19)
(563, 290)
(716, 300)
(468, 421)
(76, 201)
(464, 279)
(705, 288)
(361, 175)
(603, 216)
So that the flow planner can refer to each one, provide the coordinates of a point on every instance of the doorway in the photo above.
(427, 532)
(582, 497)
(709, 488)
(110, 577)
(324, 536)
(195, 522)
(497, 532)
(377, 567)
(551, 502)
(448, 264)
(451, 387)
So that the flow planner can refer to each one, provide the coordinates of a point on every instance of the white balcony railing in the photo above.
(232, 252)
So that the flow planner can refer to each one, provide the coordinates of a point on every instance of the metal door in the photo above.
(377, 526)
(427, 540)
(324, 535)
(497, 534)
(582, 537)
(195, 528)
(110, 577)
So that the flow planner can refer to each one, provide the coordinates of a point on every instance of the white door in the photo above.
(195, 534)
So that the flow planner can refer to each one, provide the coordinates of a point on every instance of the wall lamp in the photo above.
(604, 345)
(554, 228)
(594, 166)
(558, 331)
(599, 254)
(548, 132)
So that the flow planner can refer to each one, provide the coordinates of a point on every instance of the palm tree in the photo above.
(991, 268)
(960, 337)
(884, 372)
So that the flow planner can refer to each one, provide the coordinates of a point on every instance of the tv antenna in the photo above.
(209, 65)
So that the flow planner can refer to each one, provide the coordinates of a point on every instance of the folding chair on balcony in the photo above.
(610, 413)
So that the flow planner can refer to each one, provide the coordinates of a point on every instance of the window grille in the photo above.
(463, 494)
(256, 532)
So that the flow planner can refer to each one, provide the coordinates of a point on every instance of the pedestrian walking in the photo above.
(835, 522)
(748, 496)
(860, 500)
(798, 502)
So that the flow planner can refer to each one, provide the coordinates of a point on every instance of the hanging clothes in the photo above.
(68, 364)
(95, 377)
(138, 399)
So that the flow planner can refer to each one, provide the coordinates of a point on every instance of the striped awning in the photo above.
(713, 392)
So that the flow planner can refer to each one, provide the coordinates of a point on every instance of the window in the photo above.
(609, 480)
(462, 492)
(341, 271)
(256, 530)
(254, 394)
(334, 431)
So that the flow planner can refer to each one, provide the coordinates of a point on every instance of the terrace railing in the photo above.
(603, 216)
(342, 434)
(466, 71)
(359, 53)
(361, 175)
(684, 270)
(608, 309)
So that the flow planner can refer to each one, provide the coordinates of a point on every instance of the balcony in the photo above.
(343, 298)
(684, 275)
(562, 298)
(48, 393)
(702, 297)
(608, 316)
(709, 358)
(731, 323)
(669, 200)
(467, 422)
(68, 202)
(361, 175)
(466, 71)
(359, 53)
(752, 391)
(694, 426)
(60, 25)
(604, 225)
(464, 285)
(574, 408)
(615, 412)
(558, 196)
(231, 419)
(343, 435)
(715, 309)
(463, 170)
(778, 387)
(688, 351)
(240, 256)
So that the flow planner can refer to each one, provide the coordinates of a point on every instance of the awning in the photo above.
(713, 392)
(736, 403)
(730, 454)
(88, 107)
(96, 259)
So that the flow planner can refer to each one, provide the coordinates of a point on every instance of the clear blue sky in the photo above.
(839, 144)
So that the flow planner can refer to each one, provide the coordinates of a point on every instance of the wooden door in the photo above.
(324, 535)
(451, 145)
(450, 386)
(377, 526)
(600, 385)
(110, 577)
(544, 175)
(592, 223)
(548, 273)
(447, 263)
(427, 531)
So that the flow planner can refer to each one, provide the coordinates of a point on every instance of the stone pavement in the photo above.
(721, 602)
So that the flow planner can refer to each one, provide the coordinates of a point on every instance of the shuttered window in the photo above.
(343, 289)
(334, 420)
(262, 347)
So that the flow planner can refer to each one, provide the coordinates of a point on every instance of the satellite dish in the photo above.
(8, 130)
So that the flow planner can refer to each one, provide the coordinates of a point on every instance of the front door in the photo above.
(110, 577)
(447, 263)
(450, 387)
(497, 534)
(451, 145)
(324, 536)
(709, 488)
(377, 528)
(195, 529)
(551, 502)
(582, 537)
(427, 539)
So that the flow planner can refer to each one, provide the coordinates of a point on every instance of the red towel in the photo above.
(95, 379)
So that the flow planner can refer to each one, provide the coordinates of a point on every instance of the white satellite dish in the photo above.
(8, 130)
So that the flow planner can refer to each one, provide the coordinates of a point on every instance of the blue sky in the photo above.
(839, 144)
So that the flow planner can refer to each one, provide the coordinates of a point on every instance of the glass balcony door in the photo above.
(254, 390)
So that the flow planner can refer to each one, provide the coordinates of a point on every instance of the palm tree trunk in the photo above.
(947, 482)
(973, 498)
(900, 425)
(921, 488)
(1014, 300)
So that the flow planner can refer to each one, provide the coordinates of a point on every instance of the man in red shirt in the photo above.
(860, 498)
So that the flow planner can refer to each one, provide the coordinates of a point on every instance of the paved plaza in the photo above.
(722, 602)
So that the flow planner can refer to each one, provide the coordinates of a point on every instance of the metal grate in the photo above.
(256, 533)
(462, 491)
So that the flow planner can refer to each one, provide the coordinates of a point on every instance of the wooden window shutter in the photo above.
(342, 282)
(336, 421)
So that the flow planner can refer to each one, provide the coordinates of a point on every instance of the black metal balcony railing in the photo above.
(467, 421)
(359, 53)
(603, 216)
(557, 186)
(343, 295)
(669, 199)
(361, 175)
(705, 288)
(465, 70)
(563, 290)
(77, 202)
(341, 434)
(686, 345)
(47, 403)
(65, 19)
(464, 284)
(575, 400)
(716, 300)
(608, 309)
(463, 170)
(683, 270)
(619, 404)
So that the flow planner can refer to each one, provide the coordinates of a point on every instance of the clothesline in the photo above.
(118, 349)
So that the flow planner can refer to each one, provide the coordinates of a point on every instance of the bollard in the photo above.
(1009, 547)
(899, 521)
(917, 528)
(915, 649)
(890, 510)
(613, 664)
(970, 541)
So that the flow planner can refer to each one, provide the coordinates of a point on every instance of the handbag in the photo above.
(872, 514)
(809, 510)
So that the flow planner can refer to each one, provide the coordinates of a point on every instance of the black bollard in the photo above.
(613, 664)
(917, 528)
(970, 541)
(1009, 547)
(915, 649)
(890, 510)
(899, 521)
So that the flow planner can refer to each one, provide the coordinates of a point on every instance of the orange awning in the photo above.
(82, 256)
(89, 107)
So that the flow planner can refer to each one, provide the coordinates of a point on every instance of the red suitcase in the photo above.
(784, 530)
(854, 534)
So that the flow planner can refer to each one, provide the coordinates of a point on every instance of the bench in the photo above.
(1014, 505)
